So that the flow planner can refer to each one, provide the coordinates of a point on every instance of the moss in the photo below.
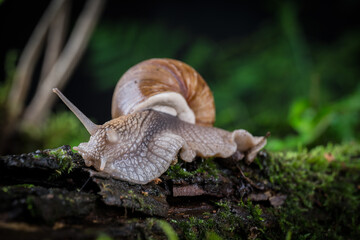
(104, 236)
(63, 158)
(322, 189)
(7, 188)
(30, 206)
(322, 186)
(212, 236)
(139, 199)
(168, 230)
(177, 171)
(228, 222)
(25, 185)
(12, 187)
(255, 213)
(197, 228)
(37, 156)
(181, 170)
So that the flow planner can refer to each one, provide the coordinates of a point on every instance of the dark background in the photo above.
(234, 32)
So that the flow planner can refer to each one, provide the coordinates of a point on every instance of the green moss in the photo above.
(25, 185)
(30, 205)
(104, 236)
(37, 156)
(168, 230)
(177, 171)
(212, 236)
(206, 167)
(228, 222)
(197, 228)
(7, 188)
(255, 212)
(322, 187)
(139, 199)
(64, 159)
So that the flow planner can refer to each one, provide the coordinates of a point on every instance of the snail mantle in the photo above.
(161, 108)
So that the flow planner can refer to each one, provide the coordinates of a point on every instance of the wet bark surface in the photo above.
(51, 194)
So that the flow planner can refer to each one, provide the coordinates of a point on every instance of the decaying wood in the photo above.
(51, 193)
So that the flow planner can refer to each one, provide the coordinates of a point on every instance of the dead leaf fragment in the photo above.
(190, 190)
(19, 226)
(58, 225)
(277, 200)
(157, 181)
(258, 197)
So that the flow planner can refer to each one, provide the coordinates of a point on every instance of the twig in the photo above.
(55, 40)
(84, 184)
(248, 179)
(25, 68)
(63, 68)
(17, 95)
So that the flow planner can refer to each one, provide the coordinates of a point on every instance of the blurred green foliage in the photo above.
(10, 60)
(304, 92)
(168, 230)
(61, 128)
(117, 47)
(272, 80)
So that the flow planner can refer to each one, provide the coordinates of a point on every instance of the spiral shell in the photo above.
(165, 85)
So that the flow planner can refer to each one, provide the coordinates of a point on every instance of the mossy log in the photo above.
(316, 194)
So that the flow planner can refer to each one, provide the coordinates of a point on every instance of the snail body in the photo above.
(151, 126)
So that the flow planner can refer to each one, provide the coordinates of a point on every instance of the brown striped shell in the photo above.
(154, 77)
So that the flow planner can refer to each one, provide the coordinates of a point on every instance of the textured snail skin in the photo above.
(140, 147)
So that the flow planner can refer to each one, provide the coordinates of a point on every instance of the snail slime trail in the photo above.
(160, 107)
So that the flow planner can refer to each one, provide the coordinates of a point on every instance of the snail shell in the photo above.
(165, 85)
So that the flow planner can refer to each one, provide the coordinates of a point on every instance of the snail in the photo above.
(161, 109)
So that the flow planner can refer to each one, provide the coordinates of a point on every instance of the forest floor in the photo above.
(307, 194)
